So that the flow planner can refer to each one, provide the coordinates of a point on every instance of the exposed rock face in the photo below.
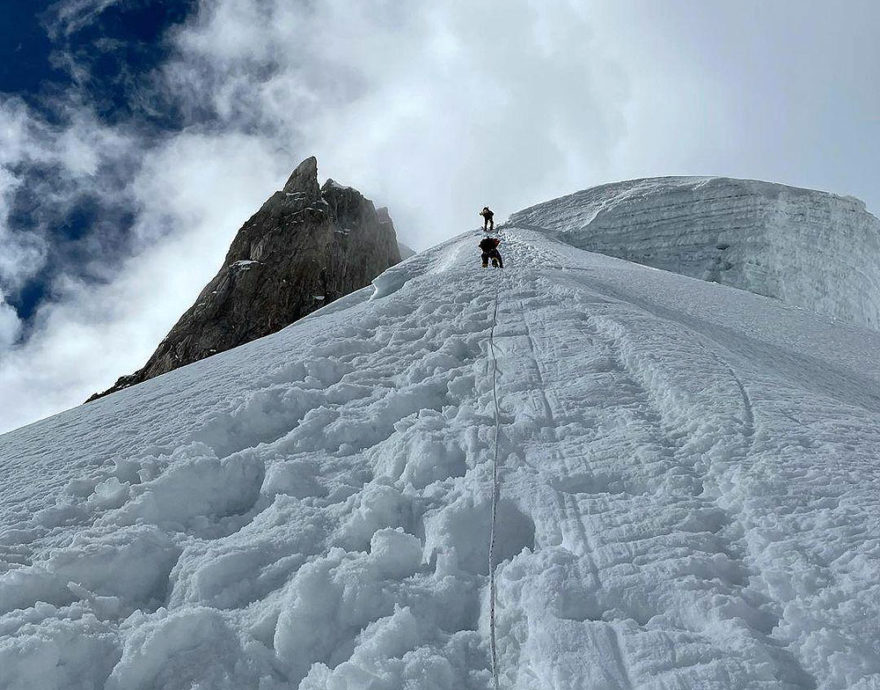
(808, 248)
(307, 246)
(405, 251)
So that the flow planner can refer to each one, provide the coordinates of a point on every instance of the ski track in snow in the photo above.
(688, 495)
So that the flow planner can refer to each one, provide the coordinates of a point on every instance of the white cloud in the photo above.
(201, 187)
(434, 109)
(10, 326)
(70, 155)
(68, 16)
(21, 255)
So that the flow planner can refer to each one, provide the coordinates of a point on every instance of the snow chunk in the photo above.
(385, 656)
(111, 493)
(195, 487)
(378, 506)
(56, 654)
(243, 265)
(396, 553)
(333, 598)
(460, 531)
(388, 283)
(131, 563)
(191, 648)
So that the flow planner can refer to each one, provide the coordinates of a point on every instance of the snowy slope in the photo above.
(813, 249)
(688, 495)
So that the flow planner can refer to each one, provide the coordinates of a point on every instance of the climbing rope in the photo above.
(496, 490)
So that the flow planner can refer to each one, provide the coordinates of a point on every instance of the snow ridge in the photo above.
(689, 495)
(811, 249)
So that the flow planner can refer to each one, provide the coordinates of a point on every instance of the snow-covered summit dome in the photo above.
(810, 249)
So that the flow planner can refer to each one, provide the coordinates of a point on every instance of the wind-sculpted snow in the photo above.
(811, 249)
(689, 495)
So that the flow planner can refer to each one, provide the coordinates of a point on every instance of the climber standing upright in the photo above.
(488, 219)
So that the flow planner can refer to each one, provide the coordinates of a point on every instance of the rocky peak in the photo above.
(307, 246)
(304, 179)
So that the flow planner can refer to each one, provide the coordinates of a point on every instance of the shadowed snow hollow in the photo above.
(811, 249)
(689, 496)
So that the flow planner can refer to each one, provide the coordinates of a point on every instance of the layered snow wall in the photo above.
(808, 248)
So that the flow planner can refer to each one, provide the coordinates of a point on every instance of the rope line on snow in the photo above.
(496, 490)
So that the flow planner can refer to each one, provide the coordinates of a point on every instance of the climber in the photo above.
(488, 219)
(489, 247)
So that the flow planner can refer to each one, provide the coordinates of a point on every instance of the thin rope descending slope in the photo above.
(496, 490)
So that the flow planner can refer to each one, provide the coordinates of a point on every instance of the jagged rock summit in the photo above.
(307, 246)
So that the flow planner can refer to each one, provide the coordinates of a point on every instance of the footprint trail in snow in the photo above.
(688, 495)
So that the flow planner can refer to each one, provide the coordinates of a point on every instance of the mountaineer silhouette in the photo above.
(489, 247)
(488, 219)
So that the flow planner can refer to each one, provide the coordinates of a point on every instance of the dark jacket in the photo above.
(489, 244)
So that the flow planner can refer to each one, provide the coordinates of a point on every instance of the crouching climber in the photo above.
(489, 247)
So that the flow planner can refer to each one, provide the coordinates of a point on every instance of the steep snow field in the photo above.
(688, 495)
(808, 248)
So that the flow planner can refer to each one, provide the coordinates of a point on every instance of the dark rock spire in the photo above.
(307, 246)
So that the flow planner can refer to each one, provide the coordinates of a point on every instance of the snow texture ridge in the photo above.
(812, 249)
(689, 495)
